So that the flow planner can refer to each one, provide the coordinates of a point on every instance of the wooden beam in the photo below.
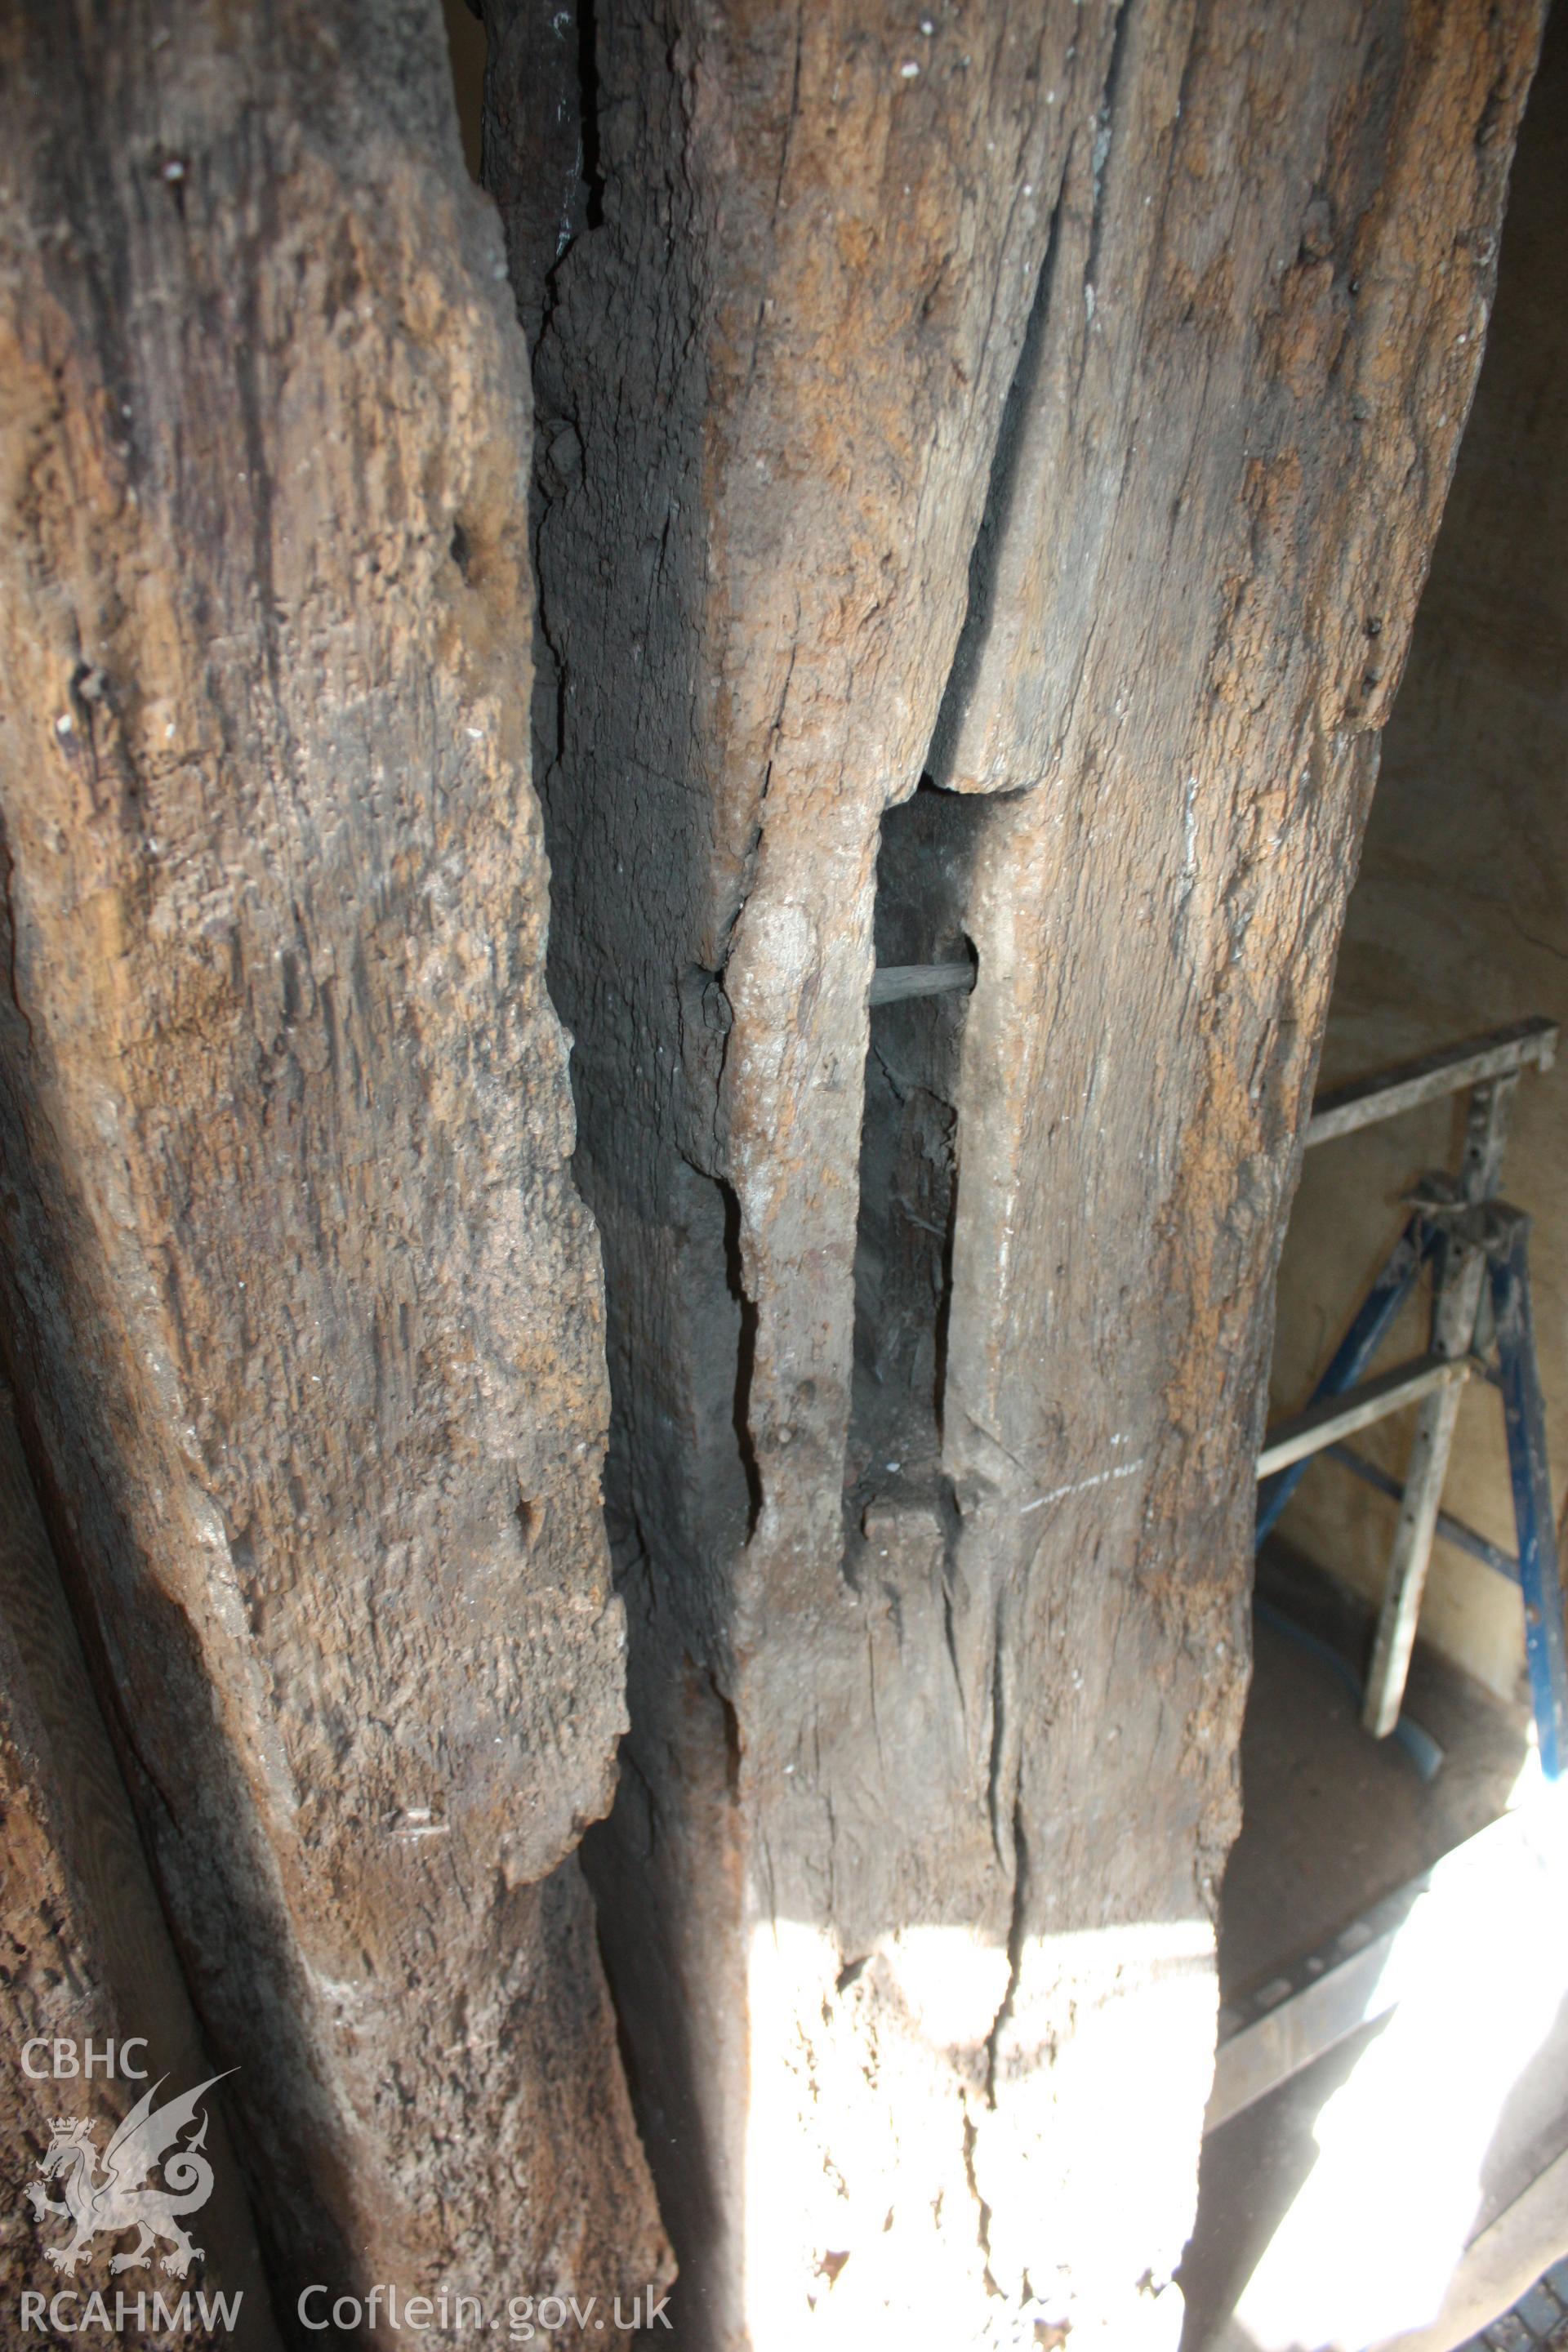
(90, 1959)
(997, 535)
(301, 1303)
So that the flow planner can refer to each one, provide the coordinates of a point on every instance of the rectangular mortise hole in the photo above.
(909, 1145)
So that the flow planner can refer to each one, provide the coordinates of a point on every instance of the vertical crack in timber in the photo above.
(952, 1527)
(588, 110)
(1007, 458)
(998, 1737)
(734, 1256)
(1104, 123)
(982, 2210)
(12, 970)
(1015, 1944)
(1001, 492)
(746, 1353)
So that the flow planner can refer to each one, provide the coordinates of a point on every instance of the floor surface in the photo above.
(1331, 1822)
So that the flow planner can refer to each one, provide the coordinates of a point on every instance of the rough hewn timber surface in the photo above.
(85, 1956)
(1057, 400)
(304, 1308)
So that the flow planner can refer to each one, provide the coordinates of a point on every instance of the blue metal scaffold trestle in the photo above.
(1476, 1250)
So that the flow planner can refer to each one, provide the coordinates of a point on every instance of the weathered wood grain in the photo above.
(1059, 402)
(301, 1302)
(85, 1956)
(1215, 524)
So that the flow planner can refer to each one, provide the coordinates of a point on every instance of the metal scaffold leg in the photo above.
(1465, 1234)
(1524, 1418)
